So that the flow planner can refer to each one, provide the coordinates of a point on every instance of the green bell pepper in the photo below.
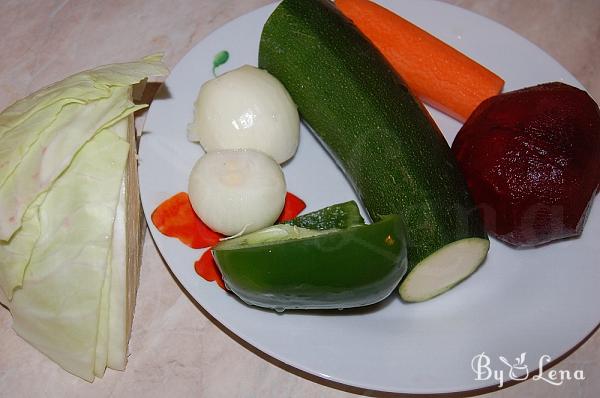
(338, 216)
(288, 267)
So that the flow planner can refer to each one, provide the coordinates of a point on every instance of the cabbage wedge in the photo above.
(58, 308)
(69, 216)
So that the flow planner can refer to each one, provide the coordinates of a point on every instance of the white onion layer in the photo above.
(246, 108)
(235, 190)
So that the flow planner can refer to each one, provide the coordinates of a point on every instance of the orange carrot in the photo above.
(292, 207)
(437, 73)
(207, 268)
(176, 218)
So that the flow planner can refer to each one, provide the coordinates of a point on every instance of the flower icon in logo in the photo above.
(516, 368)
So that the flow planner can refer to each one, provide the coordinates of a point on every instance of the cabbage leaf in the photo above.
(57, 309)
(52, 153)
(117, 317)
(14, 255)
(40, 134)
(82, 87)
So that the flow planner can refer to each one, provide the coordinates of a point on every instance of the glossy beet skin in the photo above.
(531, 159)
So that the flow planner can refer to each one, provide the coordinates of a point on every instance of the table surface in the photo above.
(176, 350)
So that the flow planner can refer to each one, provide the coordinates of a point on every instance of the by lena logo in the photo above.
(518, 370)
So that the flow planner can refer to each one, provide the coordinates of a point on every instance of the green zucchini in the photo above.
(382, 137)
(338, 216)
(288, 267)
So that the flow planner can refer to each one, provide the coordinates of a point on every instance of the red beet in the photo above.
(531, 159)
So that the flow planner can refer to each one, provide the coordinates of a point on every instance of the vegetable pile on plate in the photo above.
(248, 124)
(524, 164)
(68, 248)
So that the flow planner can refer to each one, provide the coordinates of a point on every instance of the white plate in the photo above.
(538, 301)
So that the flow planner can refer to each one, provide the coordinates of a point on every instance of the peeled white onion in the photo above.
(246, 108)
(235, 191)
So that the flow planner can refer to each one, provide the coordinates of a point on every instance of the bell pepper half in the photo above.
(289, 267)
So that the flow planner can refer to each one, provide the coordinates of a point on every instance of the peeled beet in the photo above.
(531, 159)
